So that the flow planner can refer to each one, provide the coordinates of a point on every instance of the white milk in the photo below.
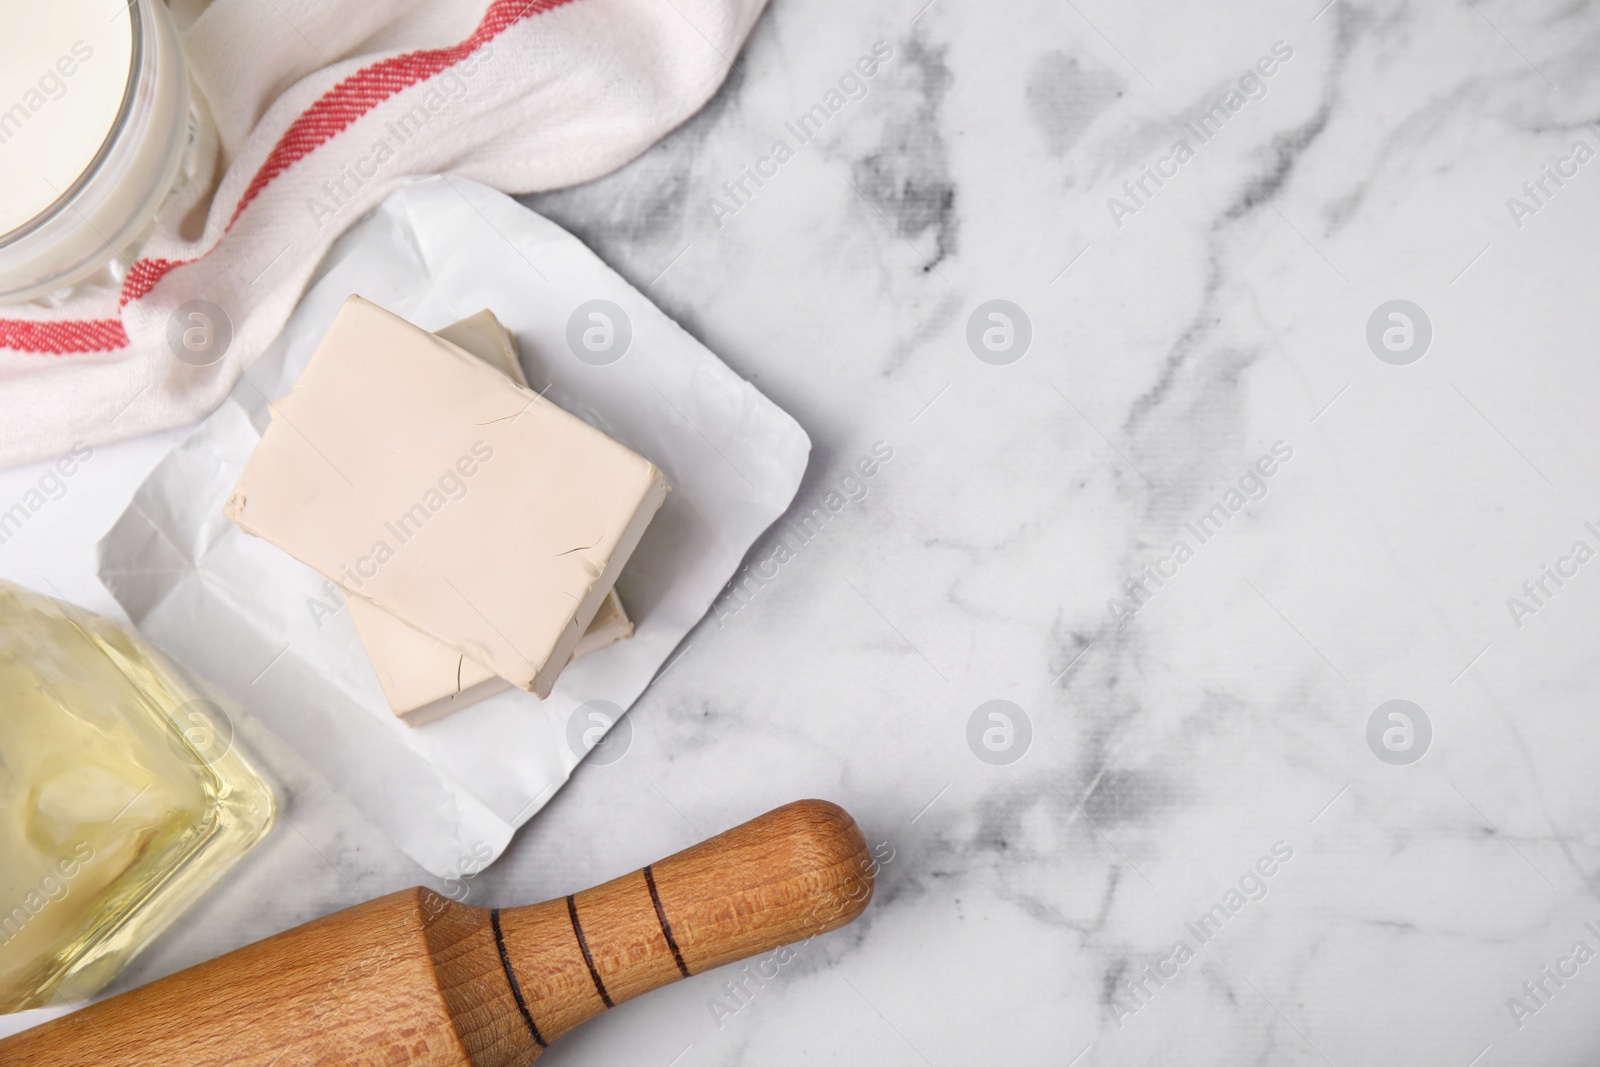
(93, 119)
(64, 69)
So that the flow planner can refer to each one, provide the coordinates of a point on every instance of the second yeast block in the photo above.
(424, 480)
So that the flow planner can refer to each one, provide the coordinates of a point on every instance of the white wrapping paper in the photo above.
(274, 635)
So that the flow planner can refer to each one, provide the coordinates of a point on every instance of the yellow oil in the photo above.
(123, 797)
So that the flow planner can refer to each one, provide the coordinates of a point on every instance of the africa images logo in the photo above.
(851, 87)
(1203, 128)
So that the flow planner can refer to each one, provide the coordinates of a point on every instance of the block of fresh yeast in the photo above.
(424, 679)
(417, 476)
(482, 335)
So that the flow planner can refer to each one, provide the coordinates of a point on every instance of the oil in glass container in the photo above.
(123, 797)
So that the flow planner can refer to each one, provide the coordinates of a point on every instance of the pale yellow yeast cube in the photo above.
(424, 679)
(422, 479)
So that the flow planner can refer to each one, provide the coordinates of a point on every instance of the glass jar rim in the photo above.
(119, 124)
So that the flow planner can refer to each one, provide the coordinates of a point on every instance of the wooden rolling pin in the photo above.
(416, 980)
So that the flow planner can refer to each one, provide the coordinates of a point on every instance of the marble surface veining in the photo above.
(1196, 503)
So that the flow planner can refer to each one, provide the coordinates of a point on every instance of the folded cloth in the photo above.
(311, 112)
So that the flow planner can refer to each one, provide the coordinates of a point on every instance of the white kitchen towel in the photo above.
(317, 109)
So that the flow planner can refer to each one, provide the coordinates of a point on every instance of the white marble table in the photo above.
(1103, 897)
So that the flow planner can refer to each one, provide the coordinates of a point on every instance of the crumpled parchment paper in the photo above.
(274, 635)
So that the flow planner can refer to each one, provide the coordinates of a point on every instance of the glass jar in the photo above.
(123, 797)
(94, 121)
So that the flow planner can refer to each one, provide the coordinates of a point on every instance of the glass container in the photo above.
(123, 797)
(94, 122)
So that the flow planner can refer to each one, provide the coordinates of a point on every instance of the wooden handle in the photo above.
(789, 875)
(417, 980)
